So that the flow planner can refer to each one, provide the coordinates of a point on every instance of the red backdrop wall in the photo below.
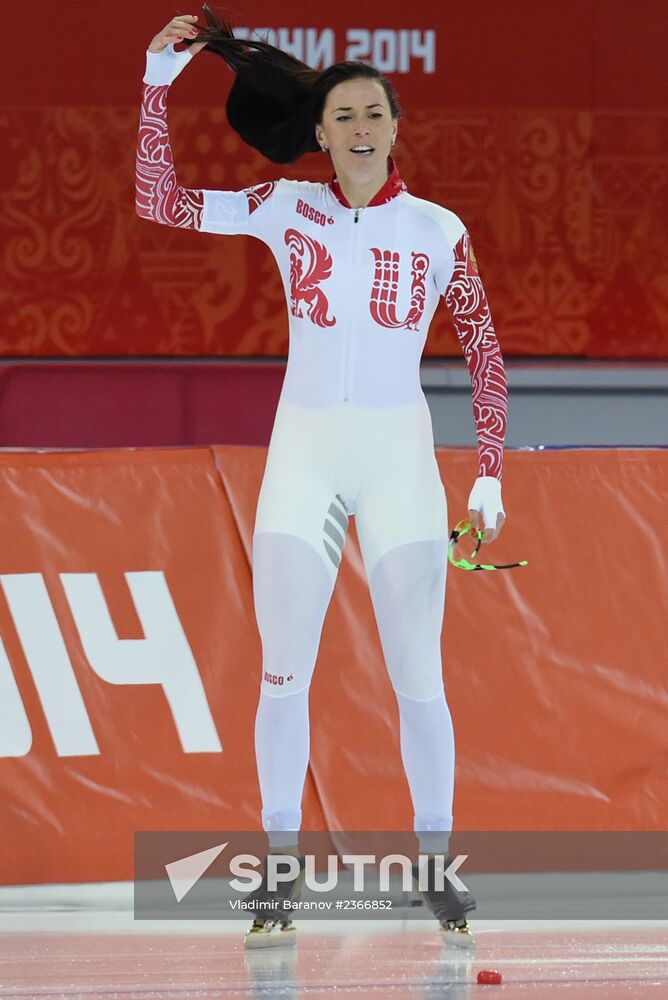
(543, 126)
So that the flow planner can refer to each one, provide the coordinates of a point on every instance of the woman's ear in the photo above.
(320, 138)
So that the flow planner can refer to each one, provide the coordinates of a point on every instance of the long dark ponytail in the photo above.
(276, 99)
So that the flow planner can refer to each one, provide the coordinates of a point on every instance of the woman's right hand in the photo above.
(180, 27)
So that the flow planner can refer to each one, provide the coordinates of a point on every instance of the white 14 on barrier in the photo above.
(162, 657)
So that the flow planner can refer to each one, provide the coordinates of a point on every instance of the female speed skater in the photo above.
(364, 264)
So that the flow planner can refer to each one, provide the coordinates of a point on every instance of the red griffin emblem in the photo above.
(310, 264)
(386, 283)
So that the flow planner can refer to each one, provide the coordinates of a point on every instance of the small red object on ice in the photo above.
(489, 977)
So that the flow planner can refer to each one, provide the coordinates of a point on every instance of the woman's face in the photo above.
(357, 127)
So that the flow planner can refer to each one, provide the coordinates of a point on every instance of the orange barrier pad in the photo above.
(555, 674)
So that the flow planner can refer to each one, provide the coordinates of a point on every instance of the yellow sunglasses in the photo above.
(463, 528)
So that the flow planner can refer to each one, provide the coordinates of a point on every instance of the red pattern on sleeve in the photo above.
(158, 193)
(258, 194)
(467, 302)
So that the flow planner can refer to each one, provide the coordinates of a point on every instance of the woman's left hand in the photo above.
(486, 507)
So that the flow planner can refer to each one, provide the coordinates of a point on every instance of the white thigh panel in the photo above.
(402, 498)
(299, 489)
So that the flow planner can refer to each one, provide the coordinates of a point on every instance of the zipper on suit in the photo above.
(349, 342)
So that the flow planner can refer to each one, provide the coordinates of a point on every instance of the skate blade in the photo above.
(270, 937)
(457, 939)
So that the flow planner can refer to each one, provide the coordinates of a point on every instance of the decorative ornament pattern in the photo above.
(567, 209)
(385, 287)
(467, 302)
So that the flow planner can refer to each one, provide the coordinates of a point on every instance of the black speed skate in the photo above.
(273, 925)
(448, 905)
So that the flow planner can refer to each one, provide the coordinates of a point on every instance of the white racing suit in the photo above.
(352, 435)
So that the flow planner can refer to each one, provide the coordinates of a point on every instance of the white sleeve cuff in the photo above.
(162, 68)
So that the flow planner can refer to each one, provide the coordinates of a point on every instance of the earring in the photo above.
(325, 149)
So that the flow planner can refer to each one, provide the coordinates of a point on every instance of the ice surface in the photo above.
(84, 944)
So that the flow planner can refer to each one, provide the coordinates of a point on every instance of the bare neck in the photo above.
(360, 191)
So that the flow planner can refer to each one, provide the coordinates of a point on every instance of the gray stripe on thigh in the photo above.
(335, 527)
